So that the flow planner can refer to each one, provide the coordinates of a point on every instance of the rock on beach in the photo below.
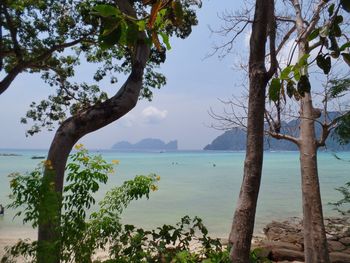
(283, 241)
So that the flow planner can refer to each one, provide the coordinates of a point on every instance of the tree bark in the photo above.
(244, 217)
(68, 134)
(315, 242)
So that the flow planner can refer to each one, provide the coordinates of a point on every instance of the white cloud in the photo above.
(128, 120)
(152, 115)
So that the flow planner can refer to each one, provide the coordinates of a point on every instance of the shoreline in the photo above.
(11, 236)
(281, 241)
(10, 239)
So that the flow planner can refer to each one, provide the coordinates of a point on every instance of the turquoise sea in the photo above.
(199, 183)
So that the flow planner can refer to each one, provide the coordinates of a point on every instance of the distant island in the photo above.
(236, 139)
(147, 144)
(9, 154)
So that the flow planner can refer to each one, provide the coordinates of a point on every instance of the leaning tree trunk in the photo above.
(315, 242)
(244, 217)
(67, 135)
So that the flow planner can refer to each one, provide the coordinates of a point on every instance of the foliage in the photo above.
(164, 244)
(329, 37)
(342, 130)
(342, 206)
(255, 256)
(35, 34)
(339, 88)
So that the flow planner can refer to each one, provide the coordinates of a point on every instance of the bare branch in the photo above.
(272, 38)
(285, 19)
(280, 136)
(13, 34)
(285, 39)
(316, 17)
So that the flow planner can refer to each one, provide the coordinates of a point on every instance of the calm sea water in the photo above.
(191, 184)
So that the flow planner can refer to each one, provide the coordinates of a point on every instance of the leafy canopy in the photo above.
(54, 37)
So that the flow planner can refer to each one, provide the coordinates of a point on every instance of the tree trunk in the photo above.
(315, 242)
(67, 135)
(244, 217)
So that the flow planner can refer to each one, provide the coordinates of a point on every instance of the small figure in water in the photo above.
(214, 165)
(2, 210)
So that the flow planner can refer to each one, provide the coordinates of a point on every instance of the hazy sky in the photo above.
(178, 111)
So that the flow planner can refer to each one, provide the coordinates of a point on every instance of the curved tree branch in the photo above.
(74, 128)
(21, 66)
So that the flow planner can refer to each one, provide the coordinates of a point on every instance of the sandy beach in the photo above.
(8, 237)
(99, 254)
(11, 239)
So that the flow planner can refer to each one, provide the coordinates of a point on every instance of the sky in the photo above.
(178, 111)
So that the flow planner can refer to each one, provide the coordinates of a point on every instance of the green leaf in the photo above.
(303, 60)
(141, 24)
(338, 19)
(124, 37)
(109, 29)
(343, 130)
(132, 32)
(345, 46)
(290, 89)
(345, 5)
(112, 38)
(296, 71)
(304, 85)
(346, 57)
(313, 34)
(159, 23)
(107, 10)
(274, 90)
(165, 39)
(338, 88)
(335, 30)
(285, 72)
(331, 9)
(324, 63)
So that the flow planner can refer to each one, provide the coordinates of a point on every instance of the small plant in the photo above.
(166, 243)
(255, 256)
(343, 205)
(80, 234)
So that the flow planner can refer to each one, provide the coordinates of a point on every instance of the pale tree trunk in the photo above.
(315, 242)
(244, 217)
(70, 131)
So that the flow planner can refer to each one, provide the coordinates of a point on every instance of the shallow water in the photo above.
(191, 184)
